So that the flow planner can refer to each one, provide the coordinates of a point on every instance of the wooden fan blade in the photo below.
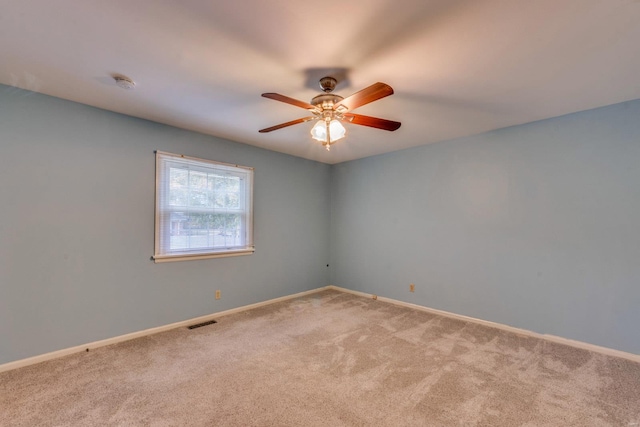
(286, 99)
(374, 122)
(372, 93)
(284, 125)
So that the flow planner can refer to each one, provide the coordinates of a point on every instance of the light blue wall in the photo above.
(77, 227)
(535, 226)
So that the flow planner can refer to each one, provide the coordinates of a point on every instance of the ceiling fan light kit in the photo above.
(329, 110)
(328, 132)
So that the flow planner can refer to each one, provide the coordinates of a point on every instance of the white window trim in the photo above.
(195, 256)
(207, 254)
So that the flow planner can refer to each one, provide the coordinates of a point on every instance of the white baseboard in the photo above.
(90, 346)
(96, 344)
(552, 338)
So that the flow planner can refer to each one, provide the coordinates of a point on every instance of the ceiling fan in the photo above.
(330, 109)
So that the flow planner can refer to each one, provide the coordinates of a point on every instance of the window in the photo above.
(203, 208)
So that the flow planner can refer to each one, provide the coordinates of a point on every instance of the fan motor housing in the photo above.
(326, 100)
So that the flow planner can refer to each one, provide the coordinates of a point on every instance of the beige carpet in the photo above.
(329, 359)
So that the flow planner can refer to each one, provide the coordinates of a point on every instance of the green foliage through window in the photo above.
(202, 205)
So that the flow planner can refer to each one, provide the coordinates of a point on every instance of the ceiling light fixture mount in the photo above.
(329, 110)
(328, 84)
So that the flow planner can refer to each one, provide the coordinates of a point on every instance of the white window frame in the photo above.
(163, 210)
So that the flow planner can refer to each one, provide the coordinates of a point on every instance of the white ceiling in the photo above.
(457, 67)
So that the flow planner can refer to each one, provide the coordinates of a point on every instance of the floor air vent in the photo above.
(200, 325)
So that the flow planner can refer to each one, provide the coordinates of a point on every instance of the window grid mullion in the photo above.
(201, 229)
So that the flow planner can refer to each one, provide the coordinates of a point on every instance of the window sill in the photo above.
(192, 257)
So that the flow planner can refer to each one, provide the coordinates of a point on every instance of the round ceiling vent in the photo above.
(124, 82)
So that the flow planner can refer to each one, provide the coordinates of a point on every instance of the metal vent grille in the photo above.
(200, 325)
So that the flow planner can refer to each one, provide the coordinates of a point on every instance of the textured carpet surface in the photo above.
(328, 359)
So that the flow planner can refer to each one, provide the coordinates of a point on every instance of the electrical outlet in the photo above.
(218, 294)
(374, 296)
(412, 288)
